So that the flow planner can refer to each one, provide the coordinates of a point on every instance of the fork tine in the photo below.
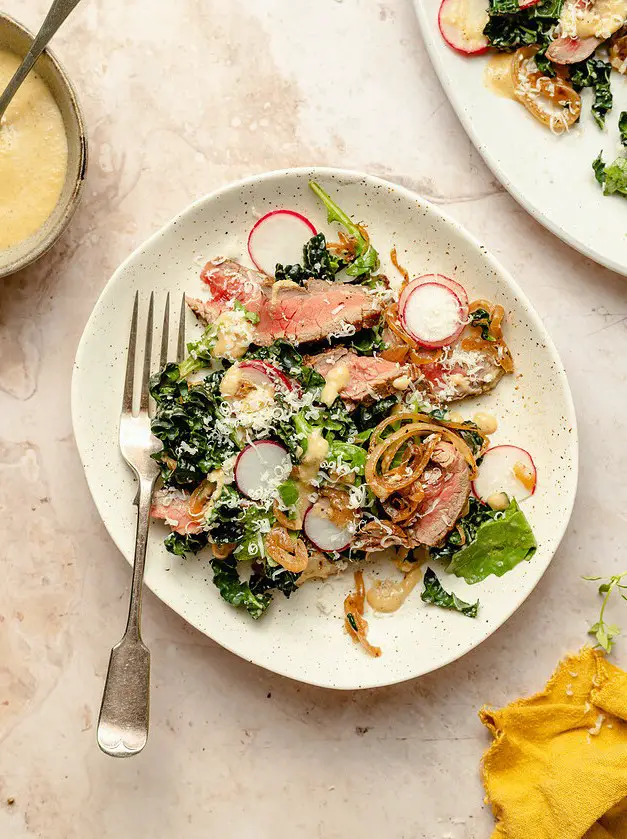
(127, 397)
(143, 403)
(166, 333)
(180, 350)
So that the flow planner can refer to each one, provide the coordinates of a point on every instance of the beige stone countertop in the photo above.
(180, 98)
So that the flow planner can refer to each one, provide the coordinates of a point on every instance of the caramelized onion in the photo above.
(291, 555)
(354, 621)
(530, 87)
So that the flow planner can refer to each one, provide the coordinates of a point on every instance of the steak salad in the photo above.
(546, 53)
(310, 430)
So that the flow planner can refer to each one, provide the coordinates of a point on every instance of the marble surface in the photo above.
(181, 98)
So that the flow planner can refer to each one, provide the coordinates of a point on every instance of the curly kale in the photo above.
(435, 593)
(185, 423)
(237, 592)
(287, 358)
(481, 319)
(622, 127)
(594, 73)
(510, 27)
(318, 263)
(181, 544)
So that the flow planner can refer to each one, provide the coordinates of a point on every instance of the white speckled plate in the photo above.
(303, 637)
(550, 176)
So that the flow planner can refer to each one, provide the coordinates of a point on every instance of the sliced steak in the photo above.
(459, 374)
(299, 314)
(370, 377)
(446, 482)
(172, 506)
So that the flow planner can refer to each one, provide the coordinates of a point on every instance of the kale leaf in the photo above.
(594, 73)
(181, 544)
(509, 27)
(235, 591)
(622, 127)
(481, 319)
(435, 593)
(287, 358)
(494, 542)
(366, 258)
(318, 263)
(224, 517)
(185, 423)
(369, 341)
(367, 417)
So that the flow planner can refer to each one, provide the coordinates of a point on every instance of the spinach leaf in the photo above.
(435, 593)
(180, 544)
(238, 593)
(369, 341)
(622, 127)
(594, 73)
(254, 522)
(613, 178)
(616, 177)
(367, 259)
(287, 358)
(495, 543)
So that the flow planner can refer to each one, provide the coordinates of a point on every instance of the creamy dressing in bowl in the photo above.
(33, 156)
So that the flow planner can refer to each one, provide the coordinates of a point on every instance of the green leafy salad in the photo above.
(308, 431)
(558, 49)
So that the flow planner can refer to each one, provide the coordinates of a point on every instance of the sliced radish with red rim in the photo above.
(457, 288)
(462, 23)
(262, 372)
(431, 311)
(507, 469)
(260, 468)
(323, 533)
(527, 4)
(279, 236)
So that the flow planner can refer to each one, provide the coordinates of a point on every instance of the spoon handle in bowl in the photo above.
(58, 12)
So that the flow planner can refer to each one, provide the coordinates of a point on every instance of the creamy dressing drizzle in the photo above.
(335, 381)
(389, 595)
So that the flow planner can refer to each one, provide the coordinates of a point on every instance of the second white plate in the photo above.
(550, 176)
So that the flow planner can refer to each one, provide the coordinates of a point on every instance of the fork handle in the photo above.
(125, 710)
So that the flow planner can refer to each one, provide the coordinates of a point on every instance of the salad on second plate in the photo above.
(548, 51)
(309, 429)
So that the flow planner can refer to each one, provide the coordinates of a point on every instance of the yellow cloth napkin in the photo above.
(557, 768)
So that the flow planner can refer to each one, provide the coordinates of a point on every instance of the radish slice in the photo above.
(322, 533)
(262, 372)
(433, 314)
(462, 23)
(260, 468)
(498, 473)
(571, 50)
(457, 288)
(279, 236)
(527, 4)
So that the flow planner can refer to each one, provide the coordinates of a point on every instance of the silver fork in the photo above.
(124, 713)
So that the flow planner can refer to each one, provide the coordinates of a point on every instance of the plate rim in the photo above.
(463, 116)
(492, 262)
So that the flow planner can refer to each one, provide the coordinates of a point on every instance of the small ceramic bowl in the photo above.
(18, 40)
